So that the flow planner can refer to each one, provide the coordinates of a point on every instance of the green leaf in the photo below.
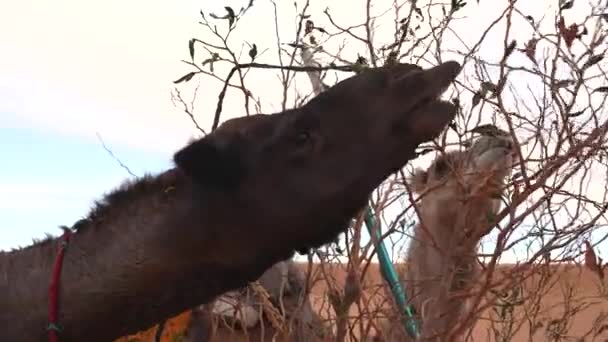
(187, 77)
(566, 5)
(487, 86)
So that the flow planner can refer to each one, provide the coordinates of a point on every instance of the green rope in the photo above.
(53, 326)
(390, 275)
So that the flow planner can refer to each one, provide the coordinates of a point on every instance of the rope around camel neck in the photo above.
(53, 328)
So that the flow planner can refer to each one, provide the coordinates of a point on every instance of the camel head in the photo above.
(310, 169)
(464, 187)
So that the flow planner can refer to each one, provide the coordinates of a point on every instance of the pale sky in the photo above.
(70, 69)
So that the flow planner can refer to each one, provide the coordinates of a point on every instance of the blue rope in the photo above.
(390, 275)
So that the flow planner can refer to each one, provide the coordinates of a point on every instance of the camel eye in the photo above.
(302, 137)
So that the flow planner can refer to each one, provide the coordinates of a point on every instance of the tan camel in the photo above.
(240, 200)
(275, 308)
(460, 193)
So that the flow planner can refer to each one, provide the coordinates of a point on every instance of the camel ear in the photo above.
(418, 180)
(213, 163)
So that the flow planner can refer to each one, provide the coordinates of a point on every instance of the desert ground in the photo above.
(573, 307)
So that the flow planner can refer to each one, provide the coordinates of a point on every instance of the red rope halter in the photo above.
(53, 328)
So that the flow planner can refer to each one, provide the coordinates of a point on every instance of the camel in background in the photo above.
(460, 194)
(239, 200)
(275, 308)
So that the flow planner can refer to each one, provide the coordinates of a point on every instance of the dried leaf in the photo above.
(591, 260)
(206, 61)
(185, 78)
(567, 33)
(295, 46)
(391, 59)
(214, 57)
(253, 52)
(600, 90)
(308, 27)
(476, 99)
(575, 114)
(191, 48)
(530, 19)
(361, 60)
(231, 15)
(510, 48)
(530, 49)
(456, 5)
(583, 33)
(593, 60)
(562, 83)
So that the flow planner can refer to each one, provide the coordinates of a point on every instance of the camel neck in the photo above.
(24, 281)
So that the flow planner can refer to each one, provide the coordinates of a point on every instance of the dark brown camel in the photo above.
(240, 200)
(248, 315)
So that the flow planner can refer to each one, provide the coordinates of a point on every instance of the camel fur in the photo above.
(459, 195)
(277, 309)
(239, 200)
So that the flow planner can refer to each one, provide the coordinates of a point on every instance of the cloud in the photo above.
(76, 69)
